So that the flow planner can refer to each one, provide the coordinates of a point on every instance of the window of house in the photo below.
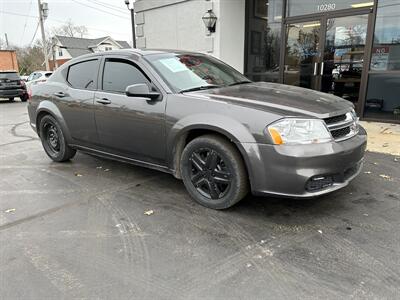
(108, 48)
(60, 52)
(119, 74)
(83, 75)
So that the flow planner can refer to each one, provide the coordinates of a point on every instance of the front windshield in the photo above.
(185, 72)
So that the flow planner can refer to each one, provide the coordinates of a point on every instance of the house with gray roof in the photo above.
(66, 48)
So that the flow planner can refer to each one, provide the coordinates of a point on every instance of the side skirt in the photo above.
(122, 159)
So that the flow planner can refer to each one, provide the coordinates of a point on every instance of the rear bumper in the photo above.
(12, 93)
(304, 171)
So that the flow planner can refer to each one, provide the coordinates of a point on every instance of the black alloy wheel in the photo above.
(213, 172)
(209, 174)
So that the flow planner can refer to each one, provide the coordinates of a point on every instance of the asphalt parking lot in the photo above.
(79, 230)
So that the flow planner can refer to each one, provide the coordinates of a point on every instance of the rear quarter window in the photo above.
(83, 75)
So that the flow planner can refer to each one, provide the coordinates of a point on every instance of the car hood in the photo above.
(282, 99)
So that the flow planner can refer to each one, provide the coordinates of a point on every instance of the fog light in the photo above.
(318, 183)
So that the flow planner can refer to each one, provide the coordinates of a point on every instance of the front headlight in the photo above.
(299, 131)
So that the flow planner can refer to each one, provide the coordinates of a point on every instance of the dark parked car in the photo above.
(11, 86)
(197, 118)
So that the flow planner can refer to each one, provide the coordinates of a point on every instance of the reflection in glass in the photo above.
(383, 101)
(386, 49)
(344, 55)
(264, 37)
(302, 54)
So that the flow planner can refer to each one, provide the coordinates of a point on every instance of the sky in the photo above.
(19, 18)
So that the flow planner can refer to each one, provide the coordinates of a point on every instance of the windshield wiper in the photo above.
(200, 88)
(240, 82)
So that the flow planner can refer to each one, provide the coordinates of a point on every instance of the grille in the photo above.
(341, 126)
(335, 119)
(340, 132)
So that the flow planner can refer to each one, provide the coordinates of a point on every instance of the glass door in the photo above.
(326, 53)
(302, 54)
(343, 56)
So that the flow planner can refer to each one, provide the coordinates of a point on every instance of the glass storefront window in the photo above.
(386, 49)
(305, 7)
(383, 100)
(264, 38)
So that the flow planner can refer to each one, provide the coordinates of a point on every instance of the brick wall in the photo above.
(8, 60)
(59, 63)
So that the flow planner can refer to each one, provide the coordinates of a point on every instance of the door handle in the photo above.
(59, 94)
(104, 101)
(322, 68)
(315, 69)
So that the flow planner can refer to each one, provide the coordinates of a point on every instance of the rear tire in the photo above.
(53, 140)
(11, 99)
(213, 172)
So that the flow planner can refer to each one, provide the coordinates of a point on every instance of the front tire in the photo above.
(53, 140)
(11, 99)
(213, 172)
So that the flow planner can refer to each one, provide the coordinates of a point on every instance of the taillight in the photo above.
(29, 95)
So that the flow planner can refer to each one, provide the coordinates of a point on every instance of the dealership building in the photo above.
(350, 48)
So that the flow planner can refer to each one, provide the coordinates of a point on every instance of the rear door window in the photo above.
(83, 75)
(119, 74)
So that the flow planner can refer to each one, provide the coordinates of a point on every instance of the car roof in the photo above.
(42, 72)
(140, 52)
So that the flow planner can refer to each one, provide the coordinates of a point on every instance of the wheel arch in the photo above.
(49, 108)
(225, 127)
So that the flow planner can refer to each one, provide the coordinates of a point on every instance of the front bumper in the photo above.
(12, 93)
(304, 171)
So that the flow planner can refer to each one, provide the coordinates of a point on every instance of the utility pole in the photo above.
(7, 45)
(132, 9)
(43, 13)
(53, 49)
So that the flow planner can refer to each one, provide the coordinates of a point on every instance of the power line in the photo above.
(108, 6)
(99, 9)
(34, 35)
(26, 21)
(55, 20)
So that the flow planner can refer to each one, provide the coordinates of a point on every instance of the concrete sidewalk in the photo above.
(383, 137)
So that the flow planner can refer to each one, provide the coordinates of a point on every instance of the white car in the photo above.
(37, 77)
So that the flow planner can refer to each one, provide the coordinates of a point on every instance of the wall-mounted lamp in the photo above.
(210, 20)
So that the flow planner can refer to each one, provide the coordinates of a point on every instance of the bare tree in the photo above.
(30, 59)
(3, 44)
(71, 30)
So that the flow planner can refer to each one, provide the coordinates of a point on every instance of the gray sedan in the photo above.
(197, 118)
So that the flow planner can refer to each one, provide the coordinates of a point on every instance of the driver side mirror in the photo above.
(141, 90)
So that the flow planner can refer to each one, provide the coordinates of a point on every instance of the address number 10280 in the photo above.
(326, 7)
